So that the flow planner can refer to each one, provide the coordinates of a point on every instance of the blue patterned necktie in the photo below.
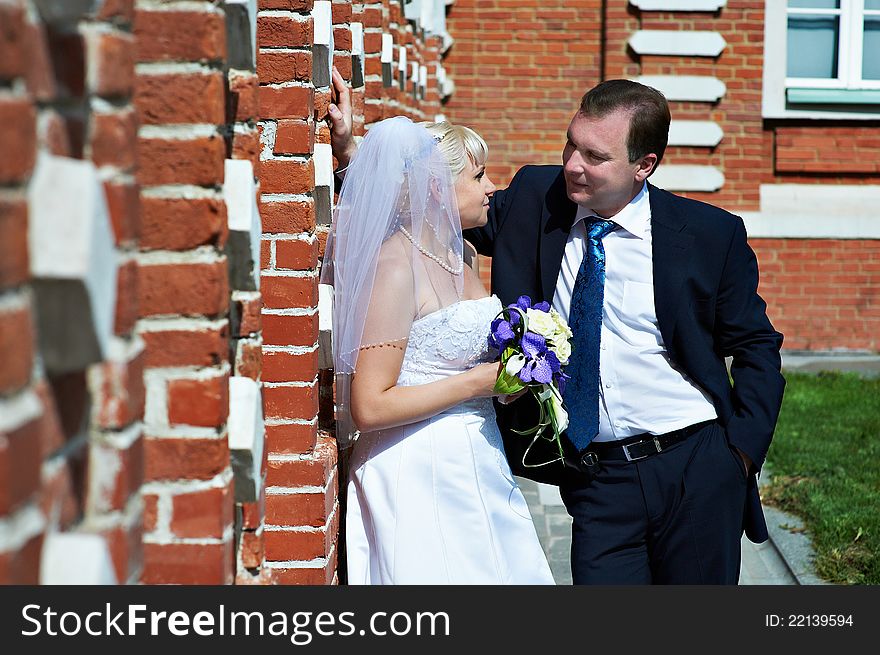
(585, 320)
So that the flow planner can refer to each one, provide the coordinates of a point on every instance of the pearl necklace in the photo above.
(432, 256)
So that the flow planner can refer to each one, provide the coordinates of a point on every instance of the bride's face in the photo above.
(472, 191)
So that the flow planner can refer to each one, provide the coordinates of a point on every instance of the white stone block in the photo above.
(695, 133)
(683, 177)
(73, 261)
(247, 434)
(243, 246)
(678, 5)
(325, 326)
(675, 42)
(695, 88)
(76, 559)
(412, 10)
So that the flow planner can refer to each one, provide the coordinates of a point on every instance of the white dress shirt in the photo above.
(640, 390)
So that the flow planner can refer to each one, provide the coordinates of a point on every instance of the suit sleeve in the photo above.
(744, 333)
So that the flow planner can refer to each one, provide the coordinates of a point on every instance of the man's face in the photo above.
(598, 173)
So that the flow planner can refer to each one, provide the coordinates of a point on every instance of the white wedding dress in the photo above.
(434, 502)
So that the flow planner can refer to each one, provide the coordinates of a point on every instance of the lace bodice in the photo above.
(449, 341)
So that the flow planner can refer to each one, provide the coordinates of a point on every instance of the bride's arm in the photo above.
(378, 403)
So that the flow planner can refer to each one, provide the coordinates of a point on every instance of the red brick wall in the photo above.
(135, 448)
(521, 68)
(847, 153)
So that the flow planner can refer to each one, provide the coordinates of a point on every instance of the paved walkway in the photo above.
(762, 564)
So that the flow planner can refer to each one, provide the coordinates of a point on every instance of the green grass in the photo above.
(825, 467)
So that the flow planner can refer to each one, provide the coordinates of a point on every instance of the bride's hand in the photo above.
(341, 139)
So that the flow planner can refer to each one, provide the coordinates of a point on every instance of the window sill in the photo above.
(814, 96)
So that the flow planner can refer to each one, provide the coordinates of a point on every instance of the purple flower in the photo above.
(541, 363)
(501, 334)
(542, 306)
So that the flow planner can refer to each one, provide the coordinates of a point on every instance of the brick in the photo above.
(189, 289)
(286, 102)
(111, 63)
(114, 139)
(281, 292)
(294, 545)
(304, 576)
(202, 514)
(17, 346)
(291, 438)
(127, 295)
(247, 318)
(127, 472)
(279, 330)
(265, 253)
(290, 402)
(280, 366)
(124, 206)
(292, 5)
(119, 399)
(246, 145)
(199, 402)
(126, 550)
(198, 161)
(286, 176)
(151, 512)
(297, 473)
(284, 32)
(294, 138)
(343, 62)
(22, 567)
(275, 67)
(199, 347)
(118, 11)
(13, 241)
(287, 217)
(20, 463)
(295, 254)
(12, 41)
(252, 513)
(243, 97)
(180, 35)
(168, 458)
(180, 98)
(248, 358)
(321, 105)
(306, 509)
(251, 550)
(183, 223)
(18, 134)
(203, 564)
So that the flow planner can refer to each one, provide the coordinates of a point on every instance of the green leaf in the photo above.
(508, 384)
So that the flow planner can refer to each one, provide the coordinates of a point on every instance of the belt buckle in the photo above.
(630, 458)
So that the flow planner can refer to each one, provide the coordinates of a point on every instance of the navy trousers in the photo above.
(675, 517)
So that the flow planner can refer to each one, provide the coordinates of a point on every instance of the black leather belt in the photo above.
(637, 447)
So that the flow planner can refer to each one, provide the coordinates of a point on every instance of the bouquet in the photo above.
(534, 344)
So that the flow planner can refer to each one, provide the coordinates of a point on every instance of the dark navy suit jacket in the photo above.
(705, 293)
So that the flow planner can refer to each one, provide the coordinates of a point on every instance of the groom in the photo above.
(663, 450)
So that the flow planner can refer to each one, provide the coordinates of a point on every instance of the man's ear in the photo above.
(646, 164)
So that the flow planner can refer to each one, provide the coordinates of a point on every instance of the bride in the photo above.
(430, 499)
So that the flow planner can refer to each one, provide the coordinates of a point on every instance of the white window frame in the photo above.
(775, 102)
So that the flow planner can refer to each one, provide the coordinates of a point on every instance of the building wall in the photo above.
(821, 286)
(165, 194)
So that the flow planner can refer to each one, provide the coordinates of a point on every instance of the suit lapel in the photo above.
(556, 221)
(670, 244)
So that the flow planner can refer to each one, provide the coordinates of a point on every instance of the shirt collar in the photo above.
(635, 218)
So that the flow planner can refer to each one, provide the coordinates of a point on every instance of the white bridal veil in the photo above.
(394, 253)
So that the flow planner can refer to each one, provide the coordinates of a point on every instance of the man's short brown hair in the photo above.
(649, 120)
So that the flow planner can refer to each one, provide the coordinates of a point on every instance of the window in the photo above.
(822, 58)
(833, 44)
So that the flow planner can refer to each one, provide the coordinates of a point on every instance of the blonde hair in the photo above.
(458, 144)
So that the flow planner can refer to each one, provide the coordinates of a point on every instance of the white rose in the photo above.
(541, 322)
(562, 348)
(560, 325)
